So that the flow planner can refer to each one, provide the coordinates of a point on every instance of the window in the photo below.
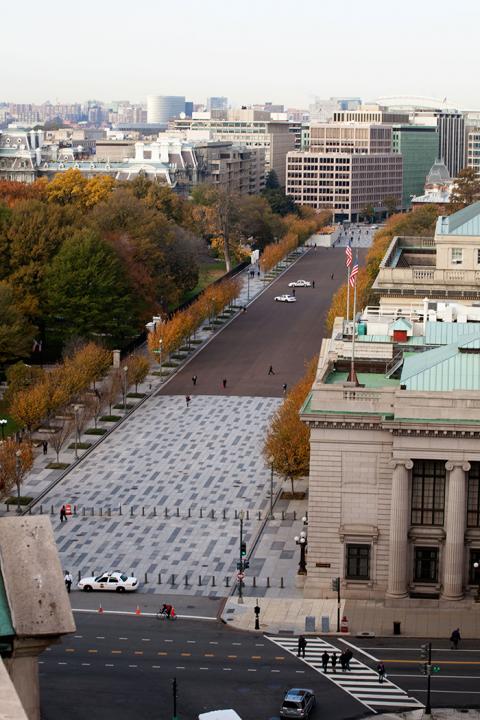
(474, 572)
(358, 562)
(478, 256)
(428, 492)
(473, 496)
(426, 565)
(457, 256)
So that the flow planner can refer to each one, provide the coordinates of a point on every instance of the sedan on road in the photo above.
(285, 298)
(109, 581)
(300, 283)
(297, 703)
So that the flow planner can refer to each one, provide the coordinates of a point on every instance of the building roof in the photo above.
(401, 324)
(6, 628)
(465, 222)
(450, 367)
(438, 174)
(444, 333)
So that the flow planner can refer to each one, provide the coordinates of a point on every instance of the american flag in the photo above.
(353, 274)
(348, 256)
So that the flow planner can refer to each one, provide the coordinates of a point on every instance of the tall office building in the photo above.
(217, 103)
(162, 108)
(451, 135)
(418, 146)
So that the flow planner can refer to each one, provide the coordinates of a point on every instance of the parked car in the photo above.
(120, 582)
(300, 283)
(220, 715)
(285, 298)
(297, 703)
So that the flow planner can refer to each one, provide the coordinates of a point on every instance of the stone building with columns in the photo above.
(394, 491)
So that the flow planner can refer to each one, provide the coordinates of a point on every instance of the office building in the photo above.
(418, 146)
(473, 150)
(163, 108)
(357, 138)
(370, 114)
(451, 135)
(219, 104)
(394, 483)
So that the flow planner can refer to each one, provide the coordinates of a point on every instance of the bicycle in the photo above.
(161, 615)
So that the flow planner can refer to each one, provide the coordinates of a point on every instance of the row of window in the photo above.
(456, 256)
(428, 494)
(425, 564)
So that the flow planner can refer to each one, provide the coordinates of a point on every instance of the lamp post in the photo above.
(3, 422)
(18, 455)
(476, 565)
(160, 350)
(301, 540)
(76, 409)
(271, 459)
(248, 284)
(241, 515)
(125, 371)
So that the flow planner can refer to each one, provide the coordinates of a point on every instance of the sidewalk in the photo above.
(279, 615)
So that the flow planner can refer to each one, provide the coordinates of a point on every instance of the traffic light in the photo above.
(335, 584)
(243, 549)
(246, 564)
(436, 668)
(424, 651)
(423, 669)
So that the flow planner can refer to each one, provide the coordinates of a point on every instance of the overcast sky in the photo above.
(249, 50)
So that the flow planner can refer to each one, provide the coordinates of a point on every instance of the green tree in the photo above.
(368, 212)
(16, 335)
(466, 189)
(271, 181)
(390, 203)
(88, 292)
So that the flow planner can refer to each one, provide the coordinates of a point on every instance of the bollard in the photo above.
(201, 512)
(259, 515)
(213, 514)
(92, 511)
(159, 578)
(248, 516)
(186, 580)
(109, 512)
(79, 576)
(294, 514)
(131, 512)
(178, 511)
(166, 512)
(52, 510)
(306, 515)
(143, 511)
(119, 509)
(227, 582)
(8, 506)
(283, 514)
(213, 580)
(236, 514)
(41, 510)
(172, 581)
(29, 511)
(224, 514)
(268, 582)
(281, 582)
(83, 512)
(254, 581)
(154, 511)
(189, 512)
(101, 512)
(199, 580)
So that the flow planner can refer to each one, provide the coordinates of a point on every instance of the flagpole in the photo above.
(353, 377)
(348, 293)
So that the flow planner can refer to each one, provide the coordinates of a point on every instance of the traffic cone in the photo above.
(344, 624)
(100, 609)
(138, 611)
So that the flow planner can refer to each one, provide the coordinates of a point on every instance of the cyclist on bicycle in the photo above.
(166, 610)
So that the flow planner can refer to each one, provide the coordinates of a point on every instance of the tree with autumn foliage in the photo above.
(287, 444)
(28, 407)
(16, 459)
(466, 189)
(138, 367)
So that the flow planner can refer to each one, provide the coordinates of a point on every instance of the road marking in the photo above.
(144, 614)
(162, 653)
(86, 664)
(138, 652)
(157, 667)
(133, 666)
(191, 642)
(180, 667)
(259, 644)
(355, 647)
(213, 642)
(279, 657)
(109, 665)
(208, 655)
(251, 670)
(168, 641)
(69, 649)
(448, 692)
(100, 637)
(146, 639)
(299, 672)
(256, 657)
(116, 652)
(185, 654)
(93, 651)
(41, 662)
(444, 677)
(232, 656)
(78, 636)
(416, 649)
(122, 638)
(436, 662)
(203, 668)
(227, 669)
(236, 643)
(62, 663)
(275, 671)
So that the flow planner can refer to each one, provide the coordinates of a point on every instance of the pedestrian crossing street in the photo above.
(361, 682)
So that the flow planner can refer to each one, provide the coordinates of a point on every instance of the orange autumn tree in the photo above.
(28, 407)
(287, 444)
(16, 459)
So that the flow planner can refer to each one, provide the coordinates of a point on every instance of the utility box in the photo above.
(325, 624)
(310, 623)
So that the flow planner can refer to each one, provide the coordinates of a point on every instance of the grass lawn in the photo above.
(208, 273)
(11, 425)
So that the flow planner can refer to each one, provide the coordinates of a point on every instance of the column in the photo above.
(453, 561)
(399, 524)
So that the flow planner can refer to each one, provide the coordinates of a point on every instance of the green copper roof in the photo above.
(464, 222)
(450, 367)
(6, 627)
(444, 333)
(401, 324)
(370, 380)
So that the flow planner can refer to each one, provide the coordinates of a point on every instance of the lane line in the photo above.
(355, 647)
(144, 614)
(449, 692)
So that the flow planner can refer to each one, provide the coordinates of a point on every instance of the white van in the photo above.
(220, 715)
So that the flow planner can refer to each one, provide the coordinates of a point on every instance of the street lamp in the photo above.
(125, 371)
(248, 283)
(76, 409)
(3, 422)
(160, 349)
(241, 515)
(301, 540)
(271, 459)
(476, 565)
(18, 455)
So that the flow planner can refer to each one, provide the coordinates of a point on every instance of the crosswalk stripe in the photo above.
(361, 682)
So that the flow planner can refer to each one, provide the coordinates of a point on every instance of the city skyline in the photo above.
(264, 54)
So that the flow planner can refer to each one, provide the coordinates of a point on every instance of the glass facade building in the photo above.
(418, 146)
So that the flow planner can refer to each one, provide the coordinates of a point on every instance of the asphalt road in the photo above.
(284, 335)
(119, 668)
(457, 684)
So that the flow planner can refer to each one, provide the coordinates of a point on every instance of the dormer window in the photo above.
(457, 256)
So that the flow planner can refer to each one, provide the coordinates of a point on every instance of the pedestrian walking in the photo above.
(313, 283)
(187, 400)
(333, 660)
(194, 380)
(284, 388)
(258, 273)
(332, 276)
(455, 639)
(325, 661)
(381, 672)
(45, 447)
(270, 370)
(244, 308)
(343, 661)
(68, 581)
(302, 644)
(224, 383)
(63, 514)
(348, 657)
(293, 292)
